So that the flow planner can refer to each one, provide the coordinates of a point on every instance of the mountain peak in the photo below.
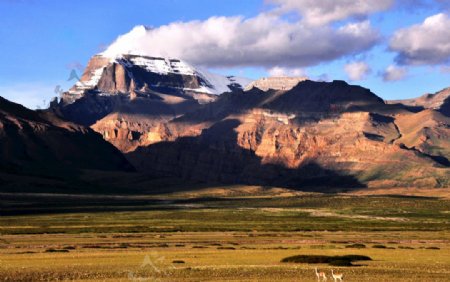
(276, 83)
(126, 73)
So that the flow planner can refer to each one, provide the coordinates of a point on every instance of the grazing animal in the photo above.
(321, 275)
(337, 276)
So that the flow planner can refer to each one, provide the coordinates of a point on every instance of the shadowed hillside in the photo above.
(40, 144)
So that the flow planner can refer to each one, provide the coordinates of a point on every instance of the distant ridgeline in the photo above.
(171, 119)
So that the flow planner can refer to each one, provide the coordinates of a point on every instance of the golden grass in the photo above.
(256, 256)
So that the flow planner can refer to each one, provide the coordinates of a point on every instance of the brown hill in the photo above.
(439, 101)
(39, 143)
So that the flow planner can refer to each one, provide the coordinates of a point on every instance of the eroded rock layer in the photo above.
(316, 134)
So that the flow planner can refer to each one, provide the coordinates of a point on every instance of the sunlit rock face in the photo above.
(275, 83)
(127, 97)
(317, 135)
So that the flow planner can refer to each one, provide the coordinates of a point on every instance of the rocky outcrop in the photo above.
(275, 83)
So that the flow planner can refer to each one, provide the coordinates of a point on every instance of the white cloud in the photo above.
(319, 12)
(280, 71)
(427, 43)
(394, 73)
(357, 70)
(265, 40)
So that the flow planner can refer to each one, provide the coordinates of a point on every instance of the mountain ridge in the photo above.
(439, 101)
(287, 132)
(314, 134)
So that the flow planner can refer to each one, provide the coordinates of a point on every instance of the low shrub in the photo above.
(355, 257)
(379, 247)
(92, 247)
(26, 252)
(340, 262)
(123, 245)
(356, 246)
(406, 247)
(339, 242)
(226, 248)
(56, 251)
(178, 261)
(331, 260)
(432, 248)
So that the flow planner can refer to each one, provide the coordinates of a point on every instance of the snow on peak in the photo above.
(157, 64)
(214, 83)
(210, 83)
(219, 84)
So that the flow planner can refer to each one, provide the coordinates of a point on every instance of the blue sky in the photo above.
(42, 41)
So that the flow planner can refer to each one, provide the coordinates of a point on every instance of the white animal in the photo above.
(321, 275)
(337, 276)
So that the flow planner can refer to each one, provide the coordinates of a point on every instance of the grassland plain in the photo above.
(233, 234)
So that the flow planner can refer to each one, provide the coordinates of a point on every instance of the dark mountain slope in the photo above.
(39, 143)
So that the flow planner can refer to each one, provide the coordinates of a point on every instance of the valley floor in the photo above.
(232, 234)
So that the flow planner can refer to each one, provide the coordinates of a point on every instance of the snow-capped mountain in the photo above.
(126, 97)
(131, 74)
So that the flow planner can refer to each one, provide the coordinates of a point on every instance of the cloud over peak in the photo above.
(280, 71)
(265, 40)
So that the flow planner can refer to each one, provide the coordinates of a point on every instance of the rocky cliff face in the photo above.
(314, 135)
(126, 98)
